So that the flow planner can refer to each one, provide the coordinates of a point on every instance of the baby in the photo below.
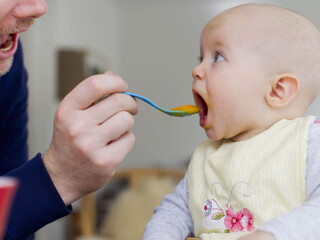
(257, 176)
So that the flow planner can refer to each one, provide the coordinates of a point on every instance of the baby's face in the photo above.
(230, 81)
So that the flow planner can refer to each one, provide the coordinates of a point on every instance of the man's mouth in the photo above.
(203, 109)
(8, 45)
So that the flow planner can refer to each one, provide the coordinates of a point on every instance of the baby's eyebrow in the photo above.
(218, 43)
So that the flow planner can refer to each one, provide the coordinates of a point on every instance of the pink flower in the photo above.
(249, 219)
(233, 221)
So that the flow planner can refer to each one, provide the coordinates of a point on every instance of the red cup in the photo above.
(8, 187)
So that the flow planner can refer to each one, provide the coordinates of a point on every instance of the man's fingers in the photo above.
(111, 105)
(120, 148)
(116, 126)
(91, 89)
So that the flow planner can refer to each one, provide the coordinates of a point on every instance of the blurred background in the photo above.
(152, 44)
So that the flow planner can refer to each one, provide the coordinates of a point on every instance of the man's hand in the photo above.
(258, 235)
(90, 140)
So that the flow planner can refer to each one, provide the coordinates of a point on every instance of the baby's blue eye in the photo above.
(218, 57)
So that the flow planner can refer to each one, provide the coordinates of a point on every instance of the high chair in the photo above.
(84, 221)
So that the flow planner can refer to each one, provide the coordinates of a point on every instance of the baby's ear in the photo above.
(282, 90)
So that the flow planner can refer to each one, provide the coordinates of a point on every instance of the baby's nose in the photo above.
(198, 72)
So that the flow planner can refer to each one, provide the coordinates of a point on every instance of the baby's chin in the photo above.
(211, 134)
(216, 135)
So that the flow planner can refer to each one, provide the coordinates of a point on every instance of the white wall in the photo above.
(153, 45)
(159, 47)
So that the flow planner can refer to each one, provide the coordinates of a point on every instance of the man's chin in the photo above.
(5, 66)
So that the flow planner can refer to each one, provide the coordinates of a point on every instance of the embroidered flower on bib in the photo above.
(233, 220)
(228, 219)
(213, 215)
(249, 220)
(207, 208)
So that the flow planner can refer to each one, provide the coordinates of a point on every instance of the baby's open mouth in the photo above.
(203, 108)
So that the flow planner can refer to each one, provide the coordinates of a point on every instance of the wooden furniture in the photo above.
(84, 221)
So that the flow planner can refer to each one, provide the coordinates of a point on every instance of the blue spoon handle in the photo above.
(146, 100)
(176, 113)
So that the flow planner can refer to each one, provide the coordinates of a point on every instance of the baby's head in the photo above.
(258, 64)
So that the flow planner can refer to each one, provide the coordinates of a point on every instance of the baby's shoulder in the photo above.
(314, 129)
(314, 136)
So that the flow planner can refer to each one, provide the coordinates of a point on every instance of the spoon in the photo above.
(180, 111)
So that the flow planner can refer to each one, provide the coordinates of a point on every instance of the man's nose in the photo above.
(30, 8)
(198, 72)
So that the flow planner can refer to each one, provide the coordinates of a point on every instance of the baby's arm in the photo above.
(302, 223)
(172, 219)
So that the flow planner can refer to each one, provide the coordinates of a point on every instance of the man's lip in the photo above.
(12, 50)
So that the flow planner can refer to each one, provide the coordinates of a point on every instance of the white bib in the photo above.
(234, 187)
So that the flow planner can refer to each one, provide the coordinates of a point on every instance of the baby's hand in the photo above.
(258, 235)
